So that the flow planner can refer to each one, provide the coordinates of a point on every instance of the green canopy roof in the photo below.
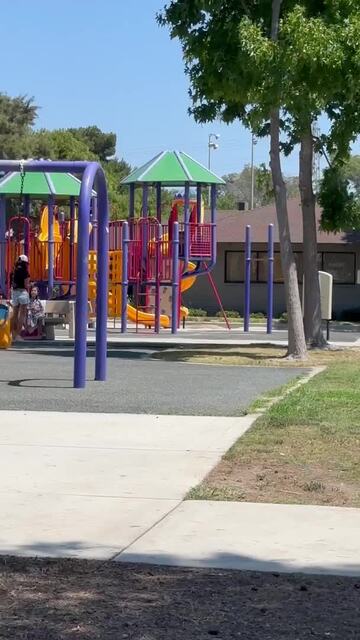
(40, 185)
(172, 168)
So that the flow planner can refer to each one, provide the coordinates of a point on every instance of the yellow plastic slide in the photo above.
(147, 319)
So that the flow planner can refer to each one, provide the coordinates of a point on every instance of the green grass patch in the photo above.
(304, 449)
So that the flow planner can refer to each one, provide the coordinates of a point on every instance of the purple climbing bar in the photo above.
(270, 279)
(124, 276)
(50, 247)
(175, 279)
(247, 282)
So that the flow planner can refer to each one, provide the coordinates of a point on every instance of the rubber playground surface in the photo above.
(40, 378)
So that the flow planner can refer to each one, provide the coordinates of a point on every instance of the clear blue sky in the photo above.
(106, 62)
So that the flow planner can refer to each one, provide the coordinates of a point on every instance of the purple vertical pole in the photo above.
(145, 199)
(94, 223)
(26, 215)
(124, 276)
(247, 282)
(132, 201)
(102, 281)
(186, 225)
(2, 244)
(198, 203)
(175, 279)
(270, 279)
(82, 279)
(213, 222)
(157, 278)
(131, 210)
(50, 246)
(72, 234)
(158, 201)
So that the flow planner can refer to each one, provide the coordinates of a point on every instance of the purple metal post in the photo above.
(26, 215)
(175, 279)
(158, 201)
(198, 203)
(72, 235)
(132, 201)
(145, 199)
(213, 222)
(270, 279)
(2, 244)
(94, 221)
(102, 281)
(124, 276)
(157, 278)
(247, 282)
(186, 226)
(50, 246)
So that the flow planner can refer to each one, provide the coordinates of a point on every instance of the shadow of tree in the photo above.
(71, 599)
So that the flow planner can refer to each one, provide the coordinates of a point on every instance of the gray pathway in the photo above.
(42, 379)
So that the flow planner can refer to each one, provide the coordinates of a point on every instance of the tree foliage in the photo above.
(238, 188)
(17, 116)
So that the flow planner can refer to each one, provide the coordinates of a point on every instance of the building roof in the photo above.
(39, 184)
(172, 168)
(231, 226)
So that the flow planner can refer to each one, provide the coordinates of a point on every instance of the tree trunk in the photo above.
(312, 307)
(296, 337)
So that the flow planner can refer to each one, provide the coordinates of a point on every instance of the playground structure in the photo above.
(90, 173)
(270, 278)
(78, 254)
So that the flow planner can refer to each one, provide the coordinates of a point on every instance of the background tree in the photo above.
(17, 116)
(238, 188)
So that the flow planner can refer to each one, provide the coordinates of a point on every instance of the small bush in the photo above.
(258, 316)
(230, 314)
(283, 317)
(197, 313)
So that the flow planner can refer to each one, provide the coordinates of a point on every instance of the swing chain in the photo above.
(22, 178)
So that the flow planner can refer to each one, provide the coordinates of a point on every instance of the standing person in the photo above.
(20, 281)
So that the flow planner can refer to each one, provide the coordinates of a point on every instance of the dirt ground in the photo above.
(78, 600)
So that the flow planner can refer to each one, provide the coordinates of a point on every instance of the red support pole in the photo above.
(214, 288)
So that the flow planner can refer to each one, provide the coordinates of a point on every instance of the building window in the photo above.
(341, 266)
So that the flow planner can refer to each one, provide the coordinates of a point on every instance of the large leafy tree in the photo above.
(277, 64)
(17, 116)
(234, 62)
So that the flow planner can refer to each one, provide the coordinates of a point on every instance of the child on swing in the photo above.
(35, 312)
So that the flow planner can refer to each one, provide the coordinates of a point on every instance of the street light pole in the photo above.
(252, 195)
(211, 145)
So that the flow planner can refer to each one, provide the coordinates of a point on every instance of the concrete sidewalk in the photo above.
(257, 537)
(88, 485)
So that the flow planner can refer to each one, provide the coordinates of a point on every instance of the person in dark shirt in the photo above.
(20, 281)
